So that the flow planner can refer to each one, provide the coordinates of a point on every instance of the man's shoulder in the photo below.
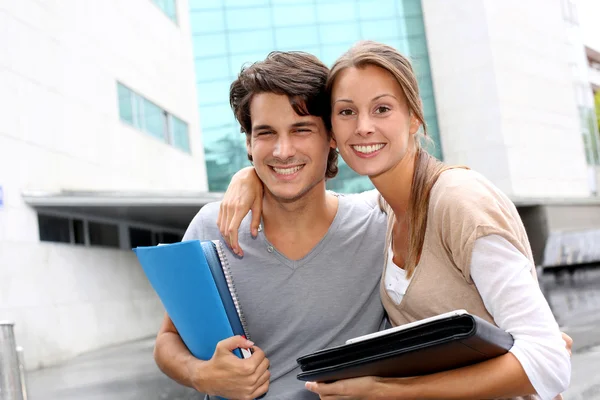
(362, 213)
(204, 223)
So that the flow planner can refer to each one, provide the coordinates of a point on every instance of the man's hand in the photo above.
(245, 193)
(228, 376)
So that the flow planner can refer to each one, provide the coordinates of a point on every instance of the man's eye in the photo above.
(303, 130)
(346, 112)
(263, 133)
(382, 109)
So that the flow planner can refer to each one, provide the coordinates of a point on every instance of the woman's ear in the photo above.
(414, 125)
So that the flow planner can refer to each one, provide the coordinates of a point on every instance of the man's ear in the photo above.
(249, 145)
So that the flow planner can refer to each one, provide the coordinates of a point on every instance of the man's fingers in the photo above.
(232, 343)
(262, 389)
(257, 358)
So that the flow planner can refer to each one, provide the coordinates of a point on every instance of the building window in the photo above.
(102, 234)
(54, 229)
(181, 137)
(169, 7)
(146, 116)
(140, 237)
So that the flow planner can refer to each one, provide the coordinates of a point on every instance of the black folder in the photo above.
(440, 343)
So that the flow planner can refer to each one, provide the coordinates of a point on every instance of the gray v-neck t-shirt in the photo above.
(293, 308)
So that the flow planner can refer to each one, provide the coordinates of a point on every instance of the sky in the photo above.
(589, 18)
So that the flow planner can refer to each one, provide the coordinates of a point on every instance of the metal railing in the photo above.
(12, 369)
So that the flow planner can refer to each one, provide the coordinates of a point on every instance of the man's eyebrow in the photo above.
(261, 127)
(303, 124)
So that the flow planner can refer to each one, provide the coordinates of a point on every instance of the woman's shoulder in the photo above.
(464, 193)
(467, 185)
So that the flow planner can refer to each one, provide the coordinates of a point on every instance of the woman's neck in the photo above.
(395, 185)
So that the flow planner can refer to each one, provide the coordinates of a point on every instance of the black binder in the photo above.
(440, 343)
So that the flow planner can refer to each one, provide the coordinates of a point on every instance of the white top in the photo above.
(513, 298)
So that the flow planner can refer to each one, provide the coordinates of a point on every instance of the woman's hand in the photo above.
(245, 193)
(367, 387)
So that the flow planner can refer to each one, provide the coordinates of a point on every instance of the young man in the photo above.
(310, 277)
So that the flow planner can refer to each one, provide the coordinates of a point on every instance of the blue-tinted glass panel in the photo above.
(205, 5)
(347, 32)
(215, 92)
(421, 66)
(380, 30)
(237, 60)
(414, 26)
(181, 137)
(408, 8)
(417, 46)
(425, 86)
(251, 41)
(291, 15)
(332, 52)
(168, 7)
(376, 9)
(207, 21)
(294, 38)
(244, 3)
(218, 116)
(125, 103)
(428, 106)
(209, 45)
(333, 12)
(208, 69)
(276, 2)
(248, 18)
(154, 120)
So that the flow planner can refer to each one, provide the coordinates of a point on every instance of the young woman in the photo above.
(454, 241)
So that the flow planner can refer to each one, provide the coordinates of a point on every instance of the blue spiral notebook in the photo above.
(194, 284)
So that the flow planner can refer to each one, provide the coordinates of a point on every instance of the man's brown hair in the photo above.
(299, 76)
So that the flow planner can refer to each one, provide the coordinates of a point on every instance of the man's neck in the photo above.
(295, 227)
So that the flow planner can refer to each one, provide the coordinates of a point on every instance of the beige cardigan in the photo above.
(463, 207)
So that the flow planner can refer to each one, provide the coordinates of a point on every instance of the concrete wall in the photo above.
(504, 94)
(60, 129)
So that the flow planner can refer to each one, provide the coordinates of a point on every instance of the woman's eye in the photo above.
(382, 109)
(346, 112)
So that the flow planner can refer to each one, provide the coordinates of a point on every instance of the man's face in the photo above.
(289, 151)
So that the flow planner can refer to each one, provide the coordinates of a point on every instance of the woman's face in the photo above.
(371, 120)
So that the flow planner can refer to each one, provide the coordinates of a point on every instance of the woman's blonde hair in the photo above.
(427, 167)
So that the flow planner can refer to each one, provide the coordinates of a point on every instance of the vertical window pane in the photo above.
(181, 138)
(290, 15)
(140, 237)
(125, 104)
(154, 120)
(54, 229)
(207, 21)
(78, 231)
(102, 234)
(248, 18)
(294, 38)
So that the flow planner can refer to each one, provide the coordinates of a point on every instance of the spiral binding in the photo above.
(231, 286)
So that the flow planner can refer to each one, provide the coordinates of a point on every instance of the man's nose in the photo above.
(284, 148)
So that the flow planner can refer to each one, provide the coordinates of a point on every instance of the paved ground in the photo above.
(128, 372)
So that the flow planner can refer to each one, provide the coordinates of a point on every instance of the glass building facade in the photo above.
(230, 33)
